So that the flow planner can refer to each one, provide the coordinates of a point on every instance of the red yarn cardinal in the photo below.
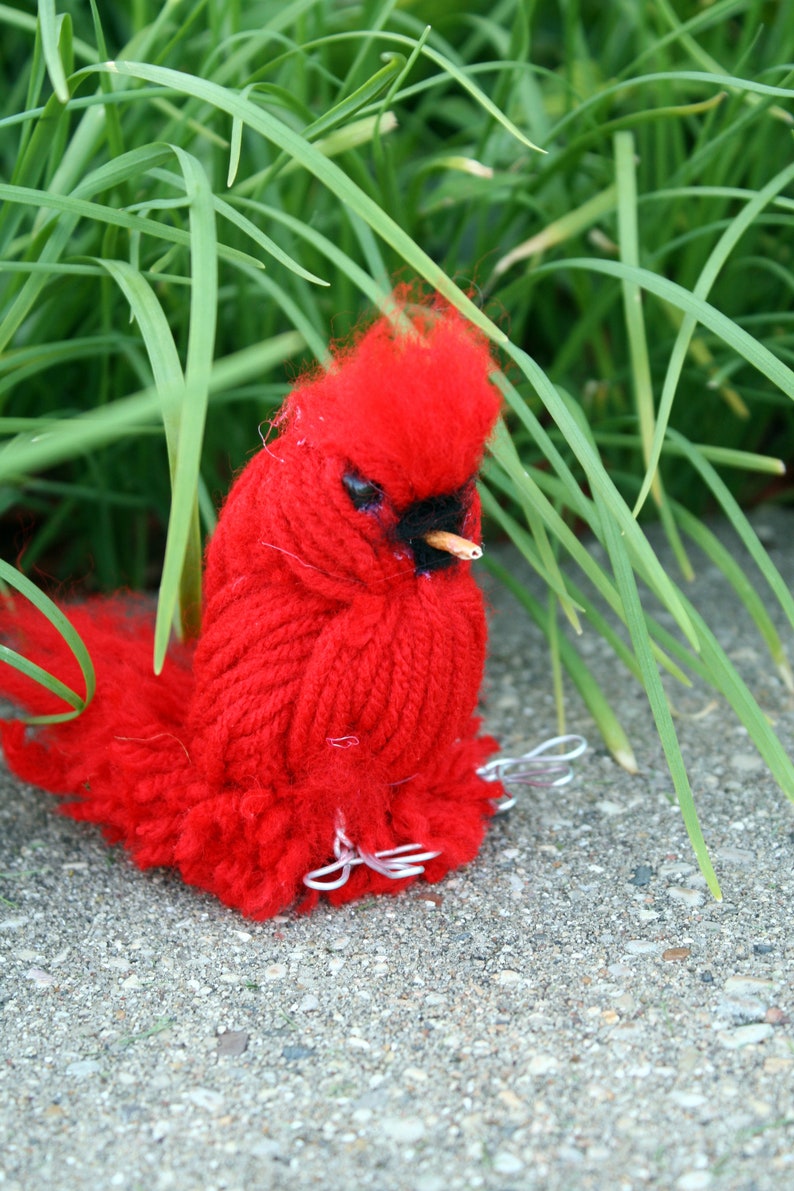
(319, 736)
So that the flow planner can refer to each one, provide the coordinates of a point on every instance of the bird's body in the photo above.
(327, 709)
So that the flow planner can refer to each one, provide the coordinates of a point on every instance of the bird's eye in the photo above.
(363, 493)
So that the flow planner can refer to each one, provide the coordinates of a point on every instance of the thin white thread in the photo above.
(330, 574)
(157, 736)
(342, 742)
(265, 437)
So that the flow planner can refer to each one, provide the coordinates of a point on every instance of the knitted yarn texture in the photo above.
(327, 708)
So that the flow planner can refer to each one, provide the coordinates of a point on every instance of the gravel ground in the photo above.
(573, 1010)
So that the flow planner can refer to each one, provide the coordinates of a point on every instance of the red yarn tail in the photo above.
(124, 754)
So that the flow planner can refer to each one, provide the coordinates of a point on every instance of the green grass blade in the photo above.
(708, 275)
(740, 523)
(610, 498)
(573, 545)
(711, 546)
(180, 585)
(725, 679)
(628, 237)
(627, 587)
(72, 639)
(503, 450)
(50, 25)
(607, 722)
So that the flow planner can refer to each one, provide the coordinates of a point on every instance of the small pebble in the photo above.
(641, 876)
(763, 948)
(689, 1099)
(275, 972)
(752, 985)
(430, 1182)
(775, 1016)
(40, 977)
(740, 856)
(673, 953)
(745, 762)
(609, 808)
(407, 1129)
(749, 1035)
(232, 1043)
(506, 1163)
(357, 1043)
(205, 1098)
(293, 1053)
(83, 1067)
(542, 1064)
(690, 897)
(742, 1008)
(641, 947)
(694, 1180)
(266, 1148)
(678, 868)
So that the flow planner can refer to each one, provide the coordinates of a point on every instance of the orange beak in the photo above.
(453, 543)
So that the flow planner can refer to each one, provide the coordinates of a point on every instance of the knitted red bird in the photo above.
(319, 736)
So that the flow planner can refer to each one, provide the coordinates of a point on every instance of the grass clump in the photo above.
(197, 196)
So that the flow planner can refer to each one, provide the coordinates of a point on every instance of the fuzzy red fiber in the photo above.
(335, 680)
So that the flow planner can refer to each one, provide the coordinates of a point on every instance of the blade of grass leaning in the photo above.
(740, 523)
(555, 662)
(628, 239)
(724, 456)
(624, 578)
(575, 548)
(46, 680)
(503, 449)
(325, 123)
(708, 275)
(50, 25)
(724, 678)
(447, 66)
(577, 501)
(654, 79)
(115, 136)
(59, 238)
(170, 383)
(520, 537)
(562, 229)
(180, 584)
(595, 700)
(610, 499)
(375, 293)
(72, 639)
(678, 30)
(713, 548)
